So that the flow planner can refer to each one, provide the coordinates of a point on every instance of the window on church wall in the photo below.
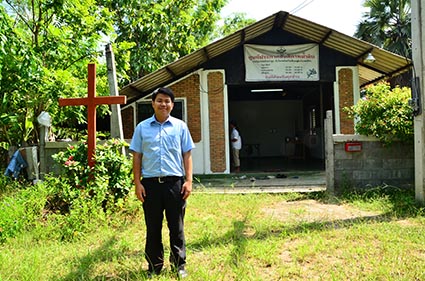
(145, 110)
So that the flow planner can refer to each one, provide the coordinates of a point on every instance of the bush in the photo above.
(110, 180)
(70, 211)
(8, 185)
(384, 113)
(78, 200)
(21, 210)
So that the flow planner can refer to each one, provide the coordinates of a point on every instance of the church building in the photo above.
(276, 78)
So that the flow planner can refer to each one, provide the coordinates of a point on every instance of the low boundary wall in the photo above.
(356, 161)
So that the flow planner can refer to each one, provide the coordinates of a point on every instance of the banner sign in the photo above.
(281, 63)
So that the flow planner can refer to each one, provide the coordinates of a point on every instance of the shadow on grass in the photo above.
(401, 201)
(239, 240)
(239, 237)
(401, 204)
(106, 252)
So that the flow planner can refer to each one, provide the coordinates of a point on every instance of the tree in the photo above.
(384, 113)
(46, 46)
(233, 23)
(9, 51)
(151, 34)
(387, 25)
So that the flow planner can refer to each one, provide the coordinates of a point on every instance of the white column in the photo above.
(329, 153)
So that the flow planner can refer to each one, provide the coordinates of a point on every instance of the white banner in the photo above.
(281, 63)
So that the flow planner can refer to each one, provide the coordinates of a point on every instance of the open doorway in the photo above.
(281, 125)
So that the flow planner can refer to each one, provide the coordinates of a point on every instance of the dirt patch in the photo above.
(311, 211)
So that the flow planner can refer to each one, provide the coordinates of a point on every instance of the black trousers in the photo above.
(164, 197)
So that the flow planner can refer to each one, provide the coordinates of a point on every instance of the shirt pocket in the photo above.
(171, 141)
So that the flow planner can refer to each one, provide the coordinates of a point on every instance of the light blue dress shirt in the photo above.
(162, 146)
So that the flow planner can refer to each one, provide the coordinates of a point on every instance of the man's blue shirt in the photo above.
(162, 146)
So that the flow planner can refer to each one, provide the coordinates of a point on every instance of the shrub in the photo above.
(70, 211)
(8, 185)
(76, 201)
(21, 210)
(110, 179)
(384, 113)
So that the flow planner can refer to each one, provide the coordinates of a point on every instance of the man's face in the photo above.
(162, 105)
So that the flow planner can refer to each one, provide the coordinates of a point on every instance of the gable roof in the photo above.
(386, 65)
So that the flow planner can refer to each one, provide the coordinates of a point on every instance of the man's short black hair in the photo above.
(165, 91)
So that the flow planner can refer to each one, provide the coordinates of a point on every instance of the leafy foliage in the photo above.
(387, 24)
(71, 211)
(110, 177)
(384, 113)
(233, 23)
(45, 48)
(21, 210)
(155, 33)
(73, 202)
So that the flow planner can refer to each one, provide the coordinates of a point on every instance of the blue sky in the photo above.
(341, 15)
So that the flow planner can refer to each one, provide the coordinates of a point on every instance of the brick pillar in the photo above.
(128, 122)
(189, 88)
(216, 121)
(346, 99)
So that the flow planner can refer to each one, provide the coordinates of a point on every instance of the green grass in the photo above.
(243, 237)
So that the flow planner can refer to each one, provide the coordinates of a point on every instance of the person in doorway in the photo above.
(236, 142)
(162, 169)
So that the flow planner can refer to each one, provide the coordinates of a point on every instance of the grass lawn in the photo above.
(242, 237)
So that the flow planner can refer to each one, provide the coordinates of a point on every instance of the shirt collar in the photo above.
(154, 121)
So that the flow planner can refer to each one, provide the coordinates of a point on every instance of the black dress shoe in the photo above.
(150, 274)
(182, 273)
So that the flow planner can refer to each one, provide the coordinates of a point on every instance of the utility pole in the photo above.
(418, 89)
(116, 122)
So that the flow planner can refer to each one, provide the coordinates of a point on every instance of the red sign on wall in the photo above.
(353, 146)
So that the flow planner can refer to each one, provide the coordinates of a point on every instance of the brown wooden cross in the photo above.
(91, 102)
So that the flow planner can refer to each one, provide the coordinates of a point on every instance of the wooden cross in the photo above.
(91, 102)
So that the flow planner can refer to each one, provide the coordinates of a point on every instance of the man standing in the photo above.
(236, 141)
(162, 169)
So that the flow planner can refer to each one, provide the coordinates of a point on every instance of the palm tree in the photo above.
(387, 25)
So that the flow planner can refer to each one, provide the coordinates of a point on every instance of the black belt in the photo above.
(163, 179)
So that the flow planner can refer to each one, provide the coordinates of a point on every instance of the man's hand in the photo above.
(140, 191)
(186, 189)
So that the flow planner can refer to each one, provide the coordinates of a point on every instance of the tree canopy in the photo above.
(387, 24)
(155, 33)
(46, 45)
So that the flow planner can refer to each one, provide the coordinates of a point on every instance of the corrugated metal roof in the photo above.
(386, 64)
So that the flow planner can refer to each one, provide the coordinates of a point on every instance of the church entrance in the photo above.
(281, 124)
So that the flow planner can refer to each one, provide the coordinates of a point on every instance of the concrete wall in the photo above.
(47, 164)
(376, 164)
